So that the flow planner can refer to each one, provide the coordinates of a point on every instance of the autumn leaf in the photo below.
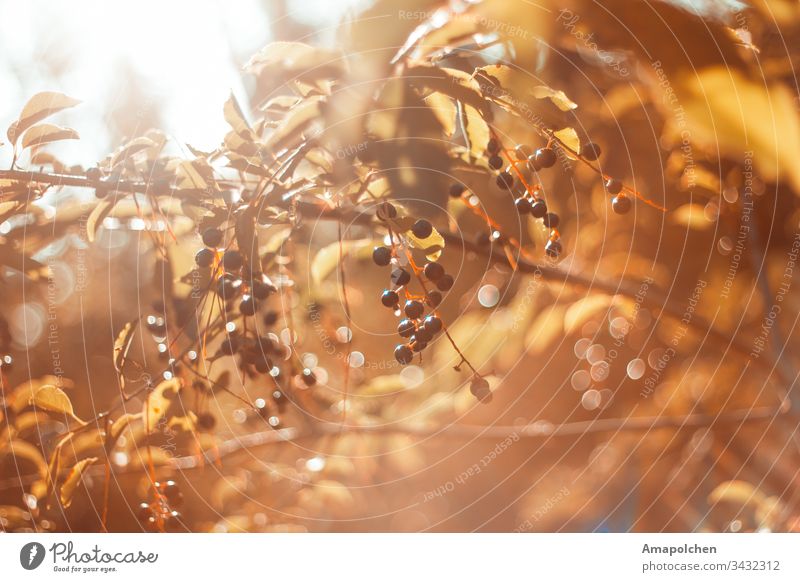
(559, 98)
(39, 107)
(158, 401)
(74, 479)
(55, 400)
(47, 133)
(121, 346)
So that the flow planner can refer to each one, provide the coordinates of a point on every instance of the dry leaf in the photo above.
(74, 479)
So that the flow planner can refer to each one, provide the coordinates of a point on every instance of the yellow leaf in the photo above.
(584, 310)
(121, 346)
(737, 492)
(691, 216)
(744, 118)
(47, 133)
(24, 450)
(569, 137)
(158, 401)
(383, 385)
(475, 128)
(546, 328)
(73, 479)
(235, 118)
(97, 215)
(120, 424)
(39, 107)
(559, 98)
(444, 108)
(131, 148)
(53, 399)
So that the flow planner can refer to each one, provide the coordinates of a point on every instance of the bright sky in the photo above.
(186, 53)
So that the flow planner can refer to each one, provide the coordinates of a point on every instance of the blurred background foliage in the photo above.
(661, 316)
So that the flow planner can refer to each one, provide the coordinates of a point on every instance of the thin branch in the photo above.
(541, 430)
(652, 300)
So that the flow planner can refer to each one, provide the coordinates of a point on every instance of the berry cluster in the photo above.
(518, 177)
(161, 513)
(238, 280)
(420, 323)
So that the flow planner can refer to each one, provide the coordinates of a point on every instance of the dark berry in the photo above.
(539, 209)
(204, 258)
(423, 335)
(270, 318)
(495, 162)
(382, 256)
(414, 309)
(433, 298)
(613, 186)
(232, 260)
(172, 521)
(522, 152)
(551, 220)
(265, 344)
(261, 290)
(433, 324)
(390, 298)
(422, 228)
(493, 146)
(386, 210)
(523, 205)
(505, 180)
(621, 204)
(590, 151)
(144, 512)
(445, 283)
(479, 387)
(403, 354)
(228, 287)
(263, 364)
(418, 345)
(546, 157)
(308, 377)
(248, 305)
(212, 237)
(406, 328)
(433, 271)
(456, 190)
(400, 277)
(100, 193)
(553, 249)
(172, 492)
(533, 163)
(206, 421)
(230, 345)
(94, 174)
